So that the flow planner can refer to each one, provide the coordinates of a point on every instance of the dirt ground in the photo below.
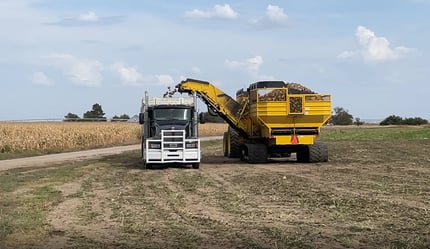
(369, 195)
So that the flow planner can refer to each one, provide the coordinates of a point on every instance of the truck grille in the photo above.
(173, 139)
(296, 105)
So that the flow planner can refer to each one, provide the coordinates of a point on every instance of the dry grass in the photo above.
(57, 137)
(68, 136)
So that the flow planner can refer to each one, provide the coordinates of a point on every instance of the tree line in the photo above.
(342, 116)
(95, 114)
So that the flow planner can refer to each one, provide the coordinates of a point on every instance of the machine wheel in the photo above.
(196, 165)
(313, 153)
(255, 153)
(318, 152)
(234, 148)
(225, 144)
(303, 154)
(147, 166)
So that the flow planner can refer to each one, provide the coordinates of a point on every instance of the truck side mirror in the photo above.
(141, 118)
(202, 118)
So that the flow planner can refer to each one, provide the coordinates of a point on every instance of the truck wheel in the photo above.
(318, 152)
(244, 153)
(196, 165)
(225, 144)
(147, 166)
(256, 153)
(234, 148)
(313, 153)
(303, 154)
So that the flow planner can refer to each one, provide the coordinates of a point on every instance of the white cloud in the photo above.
(88, 17)
(80, 71)
(40, 78)
(130, 76)
(374, 48)
(218, 11)
(276, 14)
(251, 66)
(347, 54)
(274, 17)
(165, 80)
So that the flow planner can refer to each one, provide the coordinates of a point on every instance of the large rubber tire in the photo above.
(195, 165)
(256, 153)
(225, 144)
(147, 166)
(303, 154)
(318, 152)
(314, 153)
(234, 147)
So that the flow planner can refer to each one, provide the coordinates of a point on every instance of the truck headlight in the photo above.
(192, 145)
(154, 145)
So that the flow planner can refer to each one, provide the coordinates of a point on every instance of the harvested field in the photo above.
(22, 139)
(373, 193)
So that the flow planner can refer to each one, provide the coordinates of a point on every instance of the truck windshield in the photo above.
(172, 114)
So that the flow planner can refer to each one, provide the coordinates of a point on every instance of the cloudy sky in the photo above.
(60, 56)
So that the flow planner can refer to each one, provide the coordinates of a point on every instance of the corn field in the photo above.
(70, 136)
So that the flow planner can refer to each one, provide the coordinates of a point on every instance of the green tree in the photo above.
(414, 121)
(341, 117)
(71, 117)
(392, 120)
(358, 121)
(396, 120)
(96, 114)
(122, 118)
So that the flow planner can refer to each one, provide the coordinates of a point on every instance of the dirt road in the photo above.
(72, 156)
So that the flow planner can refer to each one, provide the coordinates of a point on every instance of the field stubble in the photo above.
(372, 194)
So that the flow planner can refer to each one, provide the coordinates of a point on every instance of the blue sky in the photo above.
(60, 56)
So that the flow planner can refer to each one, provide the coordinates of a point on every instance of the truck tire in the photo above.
(195, 165)
(234, 148)
(147, 166)
(225, 144)
(302, 154)
(313, 153)
(255, 153)
(318, 152)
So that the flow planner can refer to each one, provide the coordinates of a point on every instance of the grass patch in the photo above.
(26, 197)
(375, 133)
(27, 215)
(6, 154)
(282, 238)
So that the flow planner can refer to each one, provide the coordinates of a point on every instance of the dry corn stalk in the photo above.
(68, 136)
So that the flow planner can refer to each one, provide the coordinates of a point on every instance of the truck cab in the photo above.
(170, 131)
